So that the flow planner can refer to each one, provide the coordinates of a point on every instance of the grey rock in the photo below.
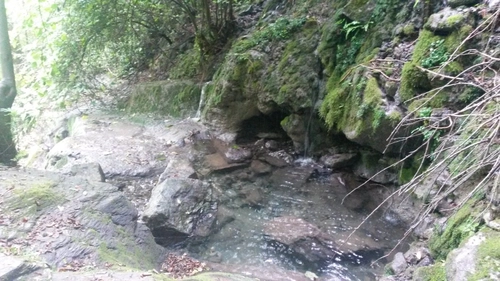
(271, 145)
(122, 211)
(259, 167)
(295, 127)
(179, 208)
(237, 155)
(12, 268)
(178, 166)
(372, 167)
(399, 263)
(339, 160)
(461, 262)
(446, 20)
(90, 171)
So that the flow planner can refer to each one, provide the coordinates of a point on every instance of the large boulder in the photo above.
(180, 208)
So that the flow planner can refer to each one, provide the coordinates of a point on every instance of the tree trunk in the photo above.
(7, 90)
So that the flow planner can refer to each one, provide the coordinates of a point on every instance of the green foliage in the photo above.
(353, 28)
(283, 28)
(425, 112)
(437, 54)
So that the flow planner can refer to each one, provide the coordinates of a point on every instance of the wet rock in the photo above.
(252, 196)
(216, 162)
(259, 167)
(224, 216)
(336, 161)
(399, 263)
(271, 145)
(90, 171)
(292, 177)
(179, 208)
(278, 158)
(295, 127)
(302, 237)
(237, 155)
(373, 166)
(178, 166)
(11, 268)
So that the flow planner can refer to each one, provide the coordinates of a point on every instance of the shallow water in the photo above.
(288, 192)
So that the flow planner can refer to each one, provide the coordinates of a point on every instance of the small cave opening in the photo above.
(262, 127)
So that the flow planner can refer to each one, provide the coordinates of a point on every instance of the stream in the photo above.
(291, 193)
(290, 217)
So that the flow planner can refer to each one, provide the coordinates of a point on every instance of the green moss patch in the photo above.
(33, 200)
(488, 257)
(459, 227)
(434, 272)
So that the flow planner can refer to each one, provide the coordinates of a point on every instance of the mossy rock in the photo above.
(488, 257)
(355, 107)
(447, 20)
(250, 83)
(170, 98)
(434, 272)
(413, 82)
(359, 10)
(33, 200)
(459, 227)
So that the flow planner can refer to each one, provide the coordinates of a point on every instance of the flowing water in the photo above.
(291, 192)
(202, 100)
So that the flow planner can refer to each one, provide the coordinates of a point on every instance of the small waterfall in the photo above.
(202, 100)
(314, 100)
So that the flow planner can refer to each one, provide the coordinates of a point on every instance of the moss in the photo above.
(437, 100)
(458, 227)
(413, 81)
(409, 29)
(488, 257)
(32, 200)
(454, 20)
(452, 41)
(126, 253)
(395, 116)
(434, 272)
(187, 65)
(454, 68)
(372, 95)
(424, 41)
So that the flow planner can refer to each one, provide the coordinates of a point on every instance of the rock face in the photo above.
(12, 268)
(179, 208)
(73, 223)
